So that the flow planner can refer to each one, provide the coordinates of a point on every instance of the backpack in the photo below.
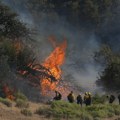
(118, 96)
(59, 96)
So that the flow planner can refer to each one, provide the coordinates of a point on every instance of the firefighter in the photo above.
(79, 99)
(119, 98)
(58, 96)
(71, 97)
(86, 98)
(90, 98)
(111, 99)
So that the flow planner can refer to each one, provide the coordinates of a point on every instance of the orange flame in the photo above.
(53, 63)
(8, 92)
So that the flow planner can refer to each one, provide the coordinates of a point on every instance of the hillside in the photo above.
(60, 110)
(49, 46)
(14, 113)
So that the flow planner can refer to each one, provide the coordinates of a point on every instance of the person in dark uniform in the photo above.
(86, 98)
(71, 97)
(111, 99)
(119, 98)
(79, 100)
(58, 96)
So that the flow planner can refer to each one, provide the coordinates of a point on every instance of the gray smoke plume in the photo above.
(82, 42)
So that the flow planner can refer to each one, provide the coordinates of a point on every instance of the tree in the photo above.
(109, 78)
(10, 26)
(90, 11)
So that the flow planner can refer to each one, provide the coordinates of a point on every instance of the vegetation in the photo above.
(12, 34)
(97, 99)
(26, 112)
(6, 102)
(110, 76)
(17, 53)
(61, 109)
(10, 26)
(94, 11)
(21, 103)
(21, 96)
(21, 100)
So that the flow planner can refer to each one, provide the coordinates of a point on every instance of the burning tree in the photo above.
(20, 58)
(47, 75)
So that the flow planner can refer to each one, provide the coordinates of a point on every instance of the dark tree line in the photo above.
(93, 11)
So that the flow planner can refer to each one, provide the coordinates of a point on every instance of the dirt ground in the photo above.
(13, 113)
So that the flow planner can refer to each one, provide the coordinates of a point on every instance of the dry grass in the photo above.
(59, 110)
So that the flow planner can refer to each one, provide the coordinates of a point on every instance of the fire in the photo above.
(8, 92)
(53, 63)
(48, 75)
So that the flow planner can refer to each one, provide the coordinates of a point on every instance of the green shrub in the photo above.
(21, 103)
(86, 116)
(100, 114)
(99, 99)
(42, 111)
(21, 96)
(26, 112)
(61, 109)
(97, 118)
(6, 102)
(103, 111)
(72, 111)
(117, 111)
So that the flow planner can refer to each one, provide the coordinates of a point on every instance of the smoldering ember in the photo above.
(59, 59)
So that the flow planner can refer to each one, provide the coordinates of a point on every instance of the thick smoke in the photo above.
(82, 42)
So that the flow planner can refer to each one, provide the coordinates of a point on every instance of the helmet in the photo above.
(89, 93)
(72, 92)
(86, 93)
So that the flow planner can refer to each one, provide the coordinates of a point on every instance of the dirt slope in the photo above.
(13, 113)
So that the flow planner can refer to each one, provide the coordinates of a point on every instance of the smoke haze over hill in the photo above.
(83, 40)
